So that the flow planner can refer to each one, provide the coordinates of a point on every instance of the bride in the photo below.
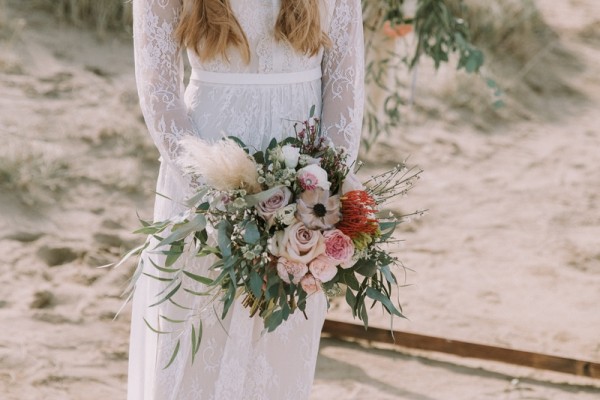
(257, 67)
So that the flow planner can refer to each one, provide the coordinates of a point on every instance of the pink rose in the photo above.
(339, 247)
(310, 284)
(267, 209)
(323, 268)
(285, 268)
(298, 243)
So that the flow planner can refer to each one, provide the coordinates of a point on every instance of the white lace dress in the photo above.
(255, 102)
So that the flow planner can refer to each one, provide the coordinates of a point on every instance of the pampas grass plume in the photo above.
(223, 165)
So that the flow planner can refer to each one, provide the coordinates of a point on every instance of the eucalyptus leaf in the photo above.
(272, 322)
(224, 230)
(256, 283)
(173, 321)
(251, 233)
(196, 198)
(202, 279)
(348, 278)
(158, 278)
(366, 268)
(197, 223)
(389, 276)
(387, 303)
(154, 329)
(175, 352)
(167, 297)
(350, 299)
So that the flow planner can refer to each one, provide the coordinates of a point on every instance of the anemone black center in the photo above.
(320, 210)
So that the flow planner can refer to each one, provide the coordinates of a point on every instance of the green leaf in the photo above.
(259, 157)
(207, 250)
(238, 141)
(182, 231)
(272, 322)
(228, 299)
(153, 329)
(350, 299)
(168, 296)
(272, 144)
(196, 197)
(348, 278)
(224, 230)
(389, 276)
(174, 354)
(364, 316)
(387, 303)
(173, 256)
(196, 340)
(256, 283)
(251, 233)
(163, 269)
(366, 268)
(202, 236)
(173, 321)
(291, 140)
(195, 293)
(202, 279)
(158, 278)
(387, 230)
(130, 254)
(312, 111)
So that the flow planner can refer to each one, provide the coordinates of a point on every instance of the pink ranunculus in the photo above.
(267, 209)
(285, 268)
(313, 176)
(308, 181)
(339, 248)
(323, 268)
(299, 244)
(310, 284)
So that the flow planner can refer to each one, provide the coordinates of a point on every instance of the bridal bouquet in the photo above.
(281, 225)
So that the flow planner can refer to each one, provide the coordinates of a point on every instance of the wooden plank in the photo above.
(548, 362)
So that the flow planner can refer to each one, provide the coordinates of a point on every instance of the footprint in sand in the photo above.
(55, 256)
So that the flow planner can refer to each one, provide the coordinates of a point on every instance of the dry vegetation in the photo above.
(101, 15)
(523, 55)
(32, 175)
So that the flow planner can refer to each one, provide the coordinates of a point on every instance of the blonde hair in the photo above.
(209, 27)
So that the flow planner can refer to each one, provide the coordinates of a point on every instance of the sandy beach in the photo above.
(507, 254)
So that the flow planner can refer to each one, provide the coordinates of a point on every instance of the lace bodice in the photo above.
(159, 66)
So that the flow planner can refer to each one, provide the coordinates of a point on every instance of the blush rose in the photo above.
(278, 200)
(322, 268)
(298, 243)
(285, 268)
(339, 248)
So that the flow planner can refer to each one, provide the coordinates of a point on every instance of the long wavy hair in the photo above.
(210, 28)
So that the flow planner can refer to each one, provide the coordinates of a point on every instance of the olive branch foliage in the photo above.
(439, 34)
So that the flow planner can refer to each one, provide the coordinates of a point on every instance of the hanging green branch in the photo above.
(438, 33)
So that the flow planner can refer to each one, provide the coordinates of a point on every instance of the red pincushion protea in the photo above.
(358, 209)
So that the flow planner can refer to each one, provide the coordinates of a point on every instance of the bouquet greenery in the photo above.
(279, 226)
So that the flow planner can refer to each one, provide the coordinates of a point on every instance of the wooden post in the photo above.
(464, 349)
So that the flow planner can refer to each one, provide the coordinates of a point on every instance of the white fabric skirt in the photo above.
(236, 360)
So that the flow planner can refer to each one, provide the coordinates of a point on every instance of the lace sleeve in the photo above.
(159, 74)
(343, 77)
